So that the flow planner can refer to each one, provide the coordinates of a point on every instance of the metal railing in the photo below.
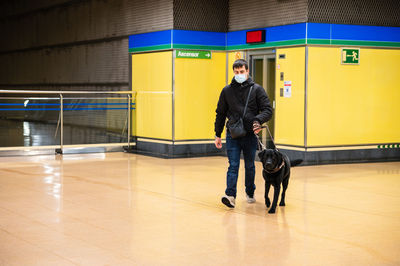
(82, 111)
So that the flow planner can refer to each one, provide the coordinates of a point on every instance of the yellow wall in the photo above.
(347, 105)
(289, 112)
(198, 84)
(357, 104)
(152, 82)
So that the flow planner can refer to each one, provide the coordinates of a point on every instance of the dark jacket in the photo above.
(232, 101)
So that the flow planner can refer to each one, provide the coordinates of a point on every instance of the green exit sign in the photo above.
(193, 54)
(350, 56)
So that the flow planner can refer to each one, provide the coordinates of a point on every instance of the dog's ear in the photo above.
(261, 154)
(278, 155)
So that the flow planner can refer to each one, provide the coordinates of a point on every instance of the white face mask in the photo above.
(240, 78)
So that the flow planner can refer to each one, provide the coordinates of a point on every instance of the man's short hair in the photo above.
(239, 63)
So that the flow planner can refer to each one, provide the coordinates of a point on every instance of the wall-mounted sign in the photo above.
(238, 55)
(350, 56)
(287, 89)
(255, 36)
(193, 54)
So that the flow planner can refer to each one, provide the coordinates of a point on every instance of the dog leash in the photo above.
(261, 146)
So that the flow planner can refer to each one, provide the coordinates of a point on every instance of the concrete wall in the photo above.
(61, 45)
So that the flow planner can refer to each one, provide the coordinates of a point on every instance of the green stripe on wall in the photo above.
(318, 41)
(366, 43)
(265, 45)
(353, 43)
(217, 48)
(268, 44)
(150, 48)
(199, 47)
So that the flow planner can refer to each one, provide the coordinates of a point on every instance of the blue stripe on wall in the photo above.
(199, 38)
(21, 104)
(97, 103)
(236, 37)
(57, 104)
(29, 109)
(365, 33)
(353, 32)
(94, 108)
(150, 39)
(287, 32)
(298, 31)
(318, 31)
(58, 109)
(272, 34)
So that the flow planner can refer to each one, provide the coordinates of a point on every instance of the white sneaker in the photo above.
(228, 201)
(250, 200)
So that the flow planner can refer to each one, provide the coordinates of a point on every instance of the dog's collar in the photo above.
(276, 169)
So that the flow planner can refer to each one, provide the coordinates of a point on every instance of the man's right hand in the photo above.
(256, 127)
(218, 142)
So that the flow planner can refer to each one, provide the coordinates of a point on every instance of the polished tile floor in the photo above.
(126, 209)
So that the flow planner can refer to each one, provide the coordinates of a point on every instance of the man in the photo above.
(231, 105)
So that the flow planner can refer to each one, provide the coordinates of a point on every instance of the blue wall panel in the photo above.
(272, 34)
(199, 38)
(365, 33)
(286, 33)
(150, 39)
(319, 32)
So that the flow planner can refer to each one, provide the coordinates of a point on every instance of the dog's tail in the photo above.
(295, 162)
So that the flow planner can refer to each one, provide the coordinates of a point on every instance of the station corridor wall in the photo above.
(152, 82)
(289, 111)
(198, 84)
(352, 104)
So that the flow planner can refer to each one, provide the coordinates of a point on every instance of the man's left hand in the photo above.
(256, 127)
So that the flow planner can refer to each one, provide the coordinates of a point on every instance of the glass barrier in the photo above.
(95, 120)
(70, 119)
(29, 122)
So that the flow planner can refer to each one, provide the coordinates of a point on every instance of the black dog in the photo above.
(276, 172)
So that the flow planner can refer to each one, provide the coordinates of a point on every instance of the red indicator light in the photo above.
(255, 36)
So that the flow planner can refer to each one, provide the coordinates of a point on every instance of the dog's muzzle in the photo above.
(268, 164)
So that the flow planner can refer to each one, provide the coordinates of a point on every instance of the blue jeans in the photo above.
(247, 144)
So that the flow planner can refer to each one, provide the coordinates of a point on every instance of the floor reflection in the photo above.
(127, 209)
(24, 133)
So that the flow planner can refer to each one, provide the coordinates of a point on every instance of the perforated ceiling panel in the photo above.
(252, 14)
(15, 8)
(76, 44)
(85, 20)
(360, 12)
(201, 15)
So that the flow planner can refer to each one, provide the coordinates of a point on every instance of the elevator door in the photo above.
(263, 73)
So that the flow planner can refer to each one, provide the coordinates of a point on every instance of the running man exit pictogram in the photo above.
(351, 56)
